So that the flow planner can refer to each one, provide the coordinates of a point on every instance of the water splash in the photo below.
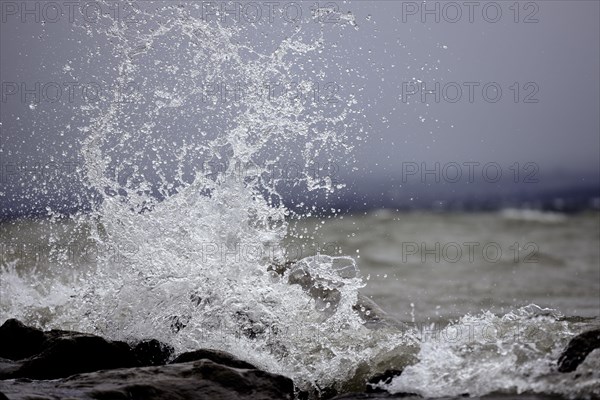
(185, 157)
(487, 353)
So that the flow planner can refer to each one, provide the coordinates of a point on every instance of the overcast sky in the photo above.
(544, 56)
(559, 55)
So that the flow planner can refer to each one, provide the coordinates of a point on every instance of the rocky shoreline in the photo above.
(57, 364)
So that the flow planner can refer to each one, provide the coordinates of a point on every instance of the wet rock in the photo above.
(384, 377)
(326, 292)
(18, 341)
(192, 380)
(27, 352)
(31, 353)
(362, 396)
(317, 393)
(7, 367)
(178, 322)
(152, 352)
(64, 364)
(219, 357)
(578, 349)
(77, 353)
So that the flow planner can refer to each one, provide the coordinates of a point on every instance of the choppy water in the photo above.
(490, 325)
(191, 255)
(448, 264)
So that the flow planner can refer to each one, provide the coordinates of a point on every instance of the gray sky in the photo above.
(559, 54)
(553, 59)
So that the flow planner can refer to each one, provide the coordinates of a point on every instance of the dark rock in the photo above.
(27, 352)
(578, 349)
(193, 380)
(317, 393)
(379, 395)
(178, 322)
(85, 366)
(384, 377)
(8, 367)
(152, 352)
(78, 353)
(327, 296)
(216, 356)
(328, 393)
(248, 326)
(18, 341)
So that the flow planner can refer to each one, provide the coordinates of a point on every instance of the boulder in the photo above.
(578, 349)
(27, 352)
(152, 352)
(62, 364)
(78, 353)
(192, 380)
(216, 356)
(382, 395)
(384, 377)
(18, 341)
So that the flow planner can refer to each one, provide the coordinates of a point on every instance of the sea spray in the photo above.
(195, 103)
(486, 353)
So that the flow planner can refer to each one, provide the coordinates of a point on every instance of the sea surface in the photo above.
(489, 323)
(450, 264)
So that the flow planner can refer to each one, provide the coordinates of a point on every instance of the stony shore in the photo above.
(56, 364)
